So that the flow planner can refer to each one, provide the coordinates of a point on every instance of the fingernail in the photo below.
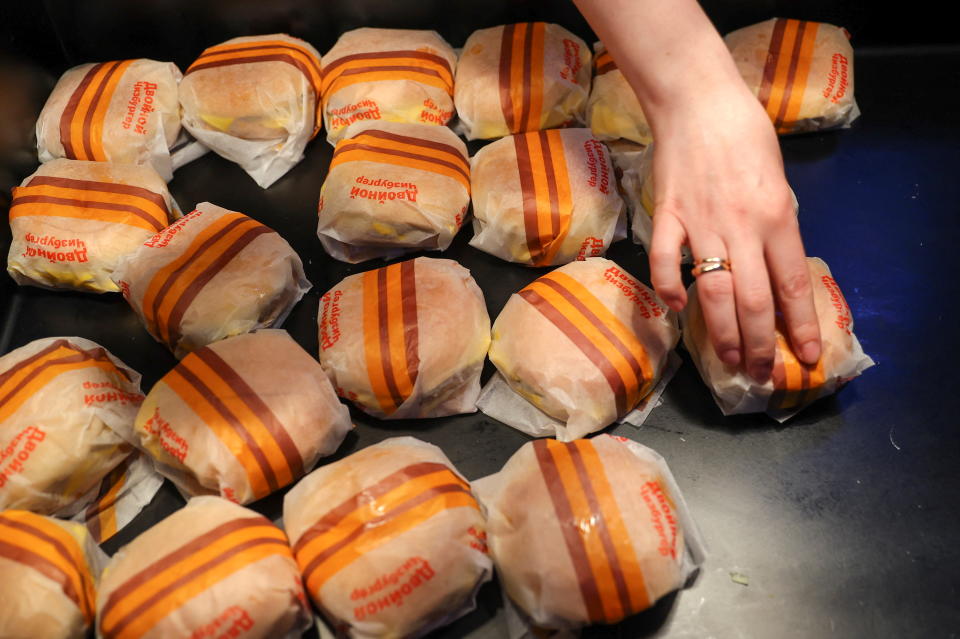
(731, 356)
(761, 371)
(810, 352)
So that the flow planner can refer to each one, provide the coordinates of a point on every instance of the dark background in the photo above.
(844, 521)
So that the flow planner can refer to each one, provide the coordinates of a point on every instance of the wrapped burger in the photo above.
(212, 274)
(255, 100)
(211, 569)
(393, 188)
(242, 417)
(613, 110)
(521, 77)
(389, 75)
(62, 402)
(794, 385)
(406, 340)
(48, 574)
(586, 532)
(390, 540)
(124, 111)
(801, 71)
(545, 198)
(584, 344)
(72, 221)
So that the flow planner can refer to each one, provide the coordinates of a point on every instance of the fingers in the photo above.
(755, 310)
(716, 295)
(791, 284)
(668, 237)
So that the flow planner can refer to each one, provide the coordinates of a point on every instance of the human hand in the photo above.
(720, 188)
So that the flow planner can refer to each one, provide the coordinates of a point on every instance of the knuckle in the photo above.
(755, 302)
(715, 289)
(803, 331)
(663, 257)
(795, 286)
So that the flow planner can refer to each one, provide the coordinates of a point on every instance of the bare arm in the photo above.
(720, 185)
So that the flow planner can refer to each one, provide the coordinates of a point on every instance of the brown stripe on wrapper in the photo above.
(257, 406)
(356, 146)
(791, 74)
(366, 495)
(406, 139)
(773, 56)
(529, 195)
(587, 347)
(599, 325)
(262, 462)
(106, 187)
(41, 565)
(568, 526)
(102, 503)
(191, 292)
(88, 118)
(194, 546)
(406, 506)
(257, 47)
(601, 526)
(382, 55)
(527, 63)
(552, 188)
(384, 325)
(69, 111)
(89, 204)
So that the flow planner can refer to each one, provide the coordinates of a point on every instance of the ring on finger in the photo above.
(710, 264)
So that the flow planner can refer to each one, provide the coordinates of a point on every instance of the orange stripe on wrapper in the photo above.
(545, 189)
(521, 75)
(85, 199)
(604, 63)
(611, 582)
(267, 51)
(38, 543)
(239, 418)
(785, 72)
(101, 515)
(145, 599)
(795, 384)
(390, 333)
(174, 287)
(597, 333)
(374, 145)
(26, 378)
(400, 502)
(81, 123)
(379, 66)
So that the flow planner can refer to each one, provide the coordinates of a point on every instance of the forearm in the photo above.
(668, 51)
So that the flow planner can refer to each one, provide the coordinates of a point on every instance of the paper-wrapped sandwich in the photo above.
(586, 532)
(406, 340)
(212, 274)
(242, 417)
(62, 402)
(521, 77)
(546, 198)
(48, 574)
(794, 385)
(390, 540)
(390, 75)
(211, 569)
(802, 72)
(613, 110)
(393, 188)
(125, 111)
(584, 344)
(255, 100)
(73, 220)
